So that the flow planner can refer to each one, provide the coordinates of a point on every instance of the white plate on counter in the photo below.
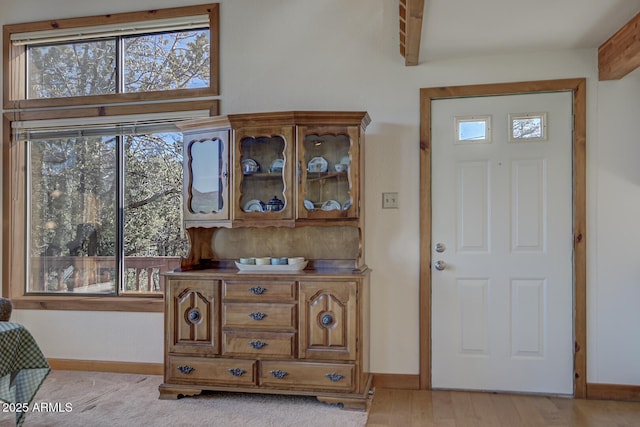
(272, 268)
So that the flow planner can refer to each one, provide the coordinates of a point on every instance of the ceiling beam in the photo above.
(620, 55)
(411, 30)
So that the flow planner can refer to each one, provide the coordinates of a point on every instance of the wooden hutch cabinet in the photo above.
(282, 185)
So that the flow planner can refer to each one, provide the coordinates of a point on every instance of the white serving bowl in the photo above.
(263, 261)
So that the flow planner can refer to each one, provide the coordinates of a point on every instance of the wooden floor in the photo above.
(462, 409)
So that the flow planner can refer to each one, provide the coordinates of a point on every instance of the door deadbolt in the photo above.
(440, 247)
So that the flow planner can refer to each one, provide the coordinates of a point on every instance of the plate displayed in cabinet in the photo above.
(346, 205)
(317, 164)
(254, 206)
(276, 166)
(331, 205)
(250, 166)
(308, 204)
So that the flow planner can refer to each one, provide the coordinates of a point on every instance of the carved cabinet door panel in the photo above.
(329, 172)
(192, 323)
(263, 179)
(328, 320)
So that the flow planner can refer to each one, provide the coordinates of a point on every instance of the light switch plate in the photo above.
(389, 200)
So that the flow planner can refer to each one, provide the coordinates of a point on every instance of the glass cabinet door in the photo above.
(264, 171)
(205, 175)
(328, 168)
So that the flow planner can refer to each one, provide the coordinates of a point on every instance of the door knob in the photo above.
(440, 247)
(440, 265)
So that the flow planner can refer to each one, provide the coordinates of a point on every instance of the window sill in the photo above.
(89, 303)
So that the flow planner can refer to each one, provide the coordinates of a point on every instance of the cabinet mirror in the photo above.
(205, 162)
(205, 175)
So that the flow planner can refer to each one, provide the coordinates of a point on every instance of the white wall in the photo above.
(336, 54)
(614, 279)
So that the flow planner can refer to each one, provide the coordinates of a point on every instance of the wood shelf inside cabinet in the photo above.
(318, 176)
(263, 175)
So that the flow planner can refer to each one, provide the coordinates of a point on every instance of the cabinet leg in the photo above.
(168, 392)
(351, 404)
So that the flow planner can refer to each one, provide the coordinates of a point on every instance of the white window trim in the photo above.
(100, 31)
(112, 125)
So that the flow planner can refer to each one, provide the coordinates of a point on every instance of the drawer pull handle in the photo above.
(193, 315)
(326, 320)
(257, 344)
(334, 376)
(237, 372)
(277, 373)
(258, 290)
(186, 369)
(257, 315)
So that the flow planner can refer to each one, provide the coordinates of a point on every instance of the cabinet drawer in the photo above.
(258, 344)
(259, 290)
(329, 376)
(259, 315)
(197, 370)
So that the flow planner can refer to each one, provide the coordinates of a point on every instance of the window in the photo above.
(473, 129)
(153, 62)
(527, 127)
(161, 54)
(77, 236)
(93, 157)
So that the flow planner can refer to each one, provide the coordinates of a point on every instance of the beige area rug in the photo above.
(95, 399)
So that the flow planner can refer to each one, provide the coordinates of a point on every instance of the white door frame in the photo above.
(578, 88)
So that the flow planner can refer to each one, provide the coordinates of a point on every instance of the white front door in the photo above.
(502, 303)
